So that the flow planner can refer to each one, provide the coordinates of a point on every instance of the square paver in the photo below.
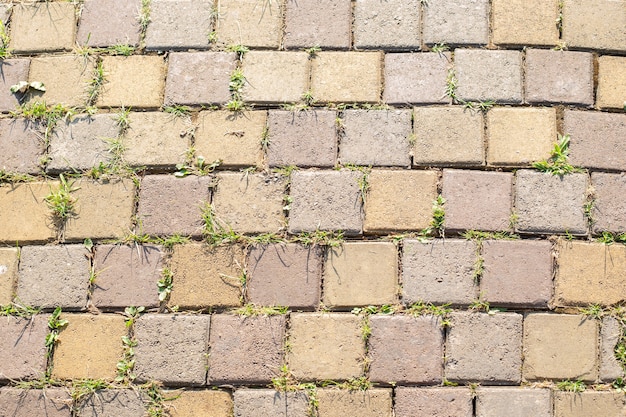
(21, 146)
(456, 22)
(375, 402)
(416, 77)
(12, 71)
(609, 208)
(49, 402)
(611, 92)
(524, 22)
(275, 77)
(513, 402)
(23, 348)
(388, 25)
(597, 24)
(179, 24)
(24, 214)
(109, 22)
(136, 81)
(55, 24)
(322, 23)
(250, 22)
(268, 402)
(434, 402)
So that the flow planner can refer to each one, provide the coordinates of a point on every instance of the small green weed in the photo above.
(122, 119)
(594, 311)
(17, 309)
(165, 284)
(477, 235)
(120, 49)
(96, 83)
(479, 305)
(313, 51)
(14, 177)
(126, 365)
(240, 50)
(609, 238)
(354, 384)
(199, 167)
(558, 163)
(82, 389)
(437, 224)
(424, 309)
(384, 309)
(571, 386)
(440, 48)
(332, 239)
(55, 324)
(132, 313)
(250, 310)
(61, 202)
(4, 42)
(178, 111)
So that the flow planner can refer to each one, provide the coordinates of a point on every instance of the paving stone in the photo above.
(109, 22)
(560, 346)
(199, 77)
(375, 402)
(439, 271)
(390, 25)
(546, 203)
(559, 77)
(245, 349)
(114, 402)
(21, 146)
(596, 139)
(89, 346)
(66, 79)
(13, 71)
(589, 273)
(485, 348)
(8, 274)
(405, 349)
(133, 81)
(23, 348)
(375, 137)
(42, 27)
(611, 82)
(206, 402)
(306, 138)
(250, 203)
(609, 208)
(284, 275)
(267, 402)
(597, 24)
(127, 275)
(322, 23)
(172, 348)
(477, 200)
(590, 403)
(325, 346)
(206, 276)
(24, 215)
(179, 24)
(520, 136)
(50, 402)
(347, 76)
(326, 200)
(610, 334)
(233, 138)
(456, 22)
(162, 195)
(250, 23)
(433, 402)
(275, 77)
(449, 136)
(5, 13)
(416, 78)
(517, 273)
(523, 22)
(53, 276)
(488, 75)
(513, 402)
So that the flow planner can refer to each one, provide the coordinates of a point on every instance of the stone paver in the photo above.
(20, 145)
(23, 348)
(513, 402)
(284, 275)
(610, 333)
(109, 22)
(439, 271)
(114, 402)
(323, 23)
(406, 349)
(325, 346)
(559, 77)
(275, 77)
(172, 348)
(457, 22)
(390, 25)
(560, 346)
(523, 22)
(375, 402)
(179, 24)
(49, 402)
(586, 24)
(569, 404)
(250, 22)
(206, 402)
(416, 78)
(55, 24)
(132, 81)
(66, 79)
(24, 215)
(245, 349)
(266, 402)
(611, 82)
(8, 274)
(13, 71)
(433, 402)
(609, 209)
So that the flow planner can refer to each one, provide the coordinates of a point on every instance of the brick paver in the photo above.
(265, 402)
(24, 214)
(391, 25)
(13, 71)
(275, 77)
(132, 81)
(21, 146)
(610, 333)
(49, 402)
(569, 404)
(179, 24)
(23, 348)
(324, 23)
(611, 82)
(416, 78)
(8, 273)
(375, 402)
(456, 22)
(250, 23)
(206, 402)
(66, 79)
(107, 22)
(435, 402)
(55, 24)
(586, 24)
(523, 22)
(114, 402)
(514, 402)
(609, 210)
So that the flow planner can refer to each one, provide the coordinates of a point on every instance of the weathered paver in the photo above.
(55, 24)
(405, 349)
(609, 208)
(590, 403)
(513, 402)
(523, 22)
(456, 22)
(560, 346)
(24, 215)
(133, 81)
(245, 349)
(23, 348)
(250, 23)
(13, 71)
(375, 402)
(610, 334)
(325, 346)
(267, 402)
(172, 348)
(594, 24)
(66, 79)
(559, 77)
(49, 402)
(322, 23)
(8, 274)
(20, 145)
(439, 271)
(390, 25)
(108, 22)
(275, 77)
(202, 402)
(416, 78)
(179, 24)
(611, 82)
(434, 402)
(114, 402)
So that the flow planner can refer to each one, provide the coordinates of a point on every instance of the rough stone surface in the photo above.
(133, 81)
(433, 402)
(456, 22)
(325, 346)
(12, 71)
(24, 215)
(523, 22)
(611, 82)
(51, 402)
(8, 274)
(323, 23)
(22, 348)
(559, 346)
(416, 78)
(66, 79)
(586, 24)
(250, 23)
(245, 349)
(439, 271)
(199, 403)
(43, 27)
(609, 208)
(275, 77)
(548, 203)
(406, 349)
(375, 402)
(267, 402)
(390, 25)
(21, 146)
(570, 404)
(114, 402)
(178, 24)
(109, 22)
(610, 367)
(513, 402)
(172, 348)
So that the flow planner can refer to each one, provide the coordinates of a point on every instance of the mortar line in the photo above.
(352, 19)
(490, 44)
(282, 11)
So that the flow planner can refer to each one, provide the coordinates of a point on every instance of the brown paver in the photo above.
(206, 402)
(23, 348)
(275, 77)
(323, 23)
(114, 402)
(250, 23)
(390, 25)
(132, 81)
(24, 215)
(109, 22)
(20, 145)
(609, 208)
(375, 402)
(611, 82)
(594, 24)
(270, 403)
(178, 24)
(434, 402)
(43, 27)
(456, 22)
(13, 71)
(610, 334)
(49, 402)
(8, 274)
(523, 22)
(513, 402)
(416, 78)
(570, 404)
(66, 79)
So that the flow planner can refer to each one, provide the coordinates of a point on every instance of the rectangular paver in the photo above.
(513, 402)
(524, 22)
(24, 214)
(49, 402)
(375, 402)
(9, 258)
(416, 78)
(265, 402)
(190, 403)
(178, 24)
(136, 81)
(434, 402)
(569, 404)
(457, 22)
(109, 22)
(390, 25)
(13, 71)
(324, 23)
(65, 78)
(275, 77)
(610, 334)
(21, 146)
(55, 23)
(250, 22)
(609, 210)
(611, 91)
(595, 24)
(23, 348)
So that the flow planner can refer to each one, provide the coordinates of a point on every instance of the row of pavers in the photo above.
(393, 24)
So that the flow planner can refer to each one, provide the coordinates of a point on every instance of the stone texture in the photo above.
(178, 24)
(54, 276)
(22, 348)
(50, 402)
(610, 333)
(456, 22)
(109, 22)
(326, 200)
(520, 136)
(559, 77)
(611, 82)
(126, 276)
(416, 78)
(8, 274)
(484, 348)
(546, 203)
(250, 203)
(89, 347)
(267, 402)
(375, 137)
(284, 275)
(133, 81)
(405, 349)
(275, 77)
(21, 146)
(114, 402)
(162, 195)
(449, 136)
(433, 402)
(199, 77)
(12, 71)
(347, 76)
(24, 215)
(306, 138)
(43, 27)
(513, 402)
(560, 346)
(66, 79)
(245, 349)
(439, 271)
(250, 23)
(523, 22)
(389, 25)
(595, 24)
(609, 208)
(206, 402)
(323, 23)
(325, 346)
(206, 276)
(375, 402)
(517, 273)
(477, 200)
(489, 75)
(172, 348)
(570, 404)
